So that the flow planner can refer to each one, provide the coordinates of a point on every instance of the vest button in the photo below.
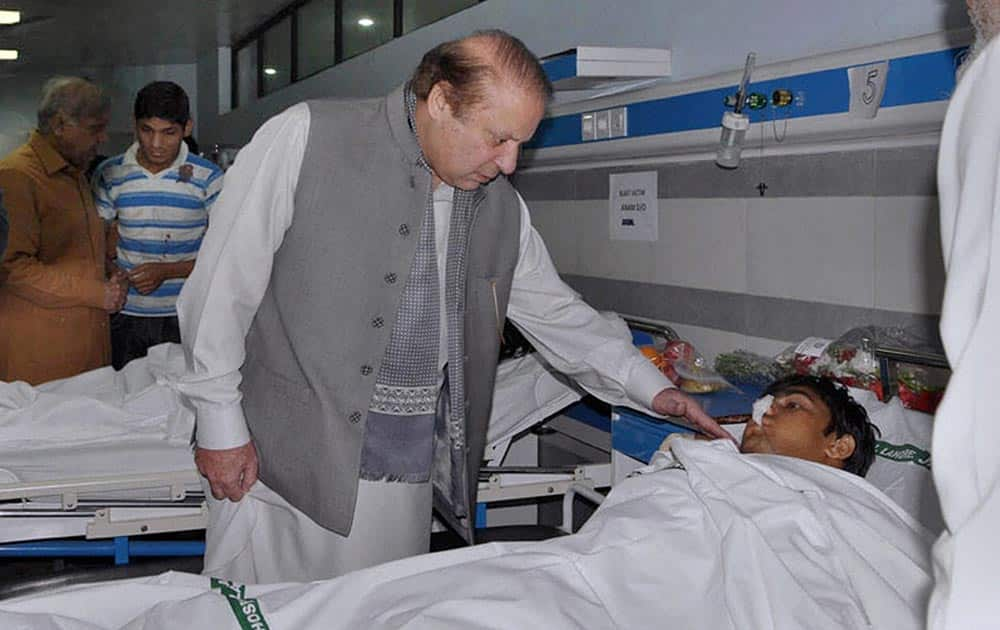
(404, 230)
(366, 370)
(355, 417)
(378, 322)
(390, 278)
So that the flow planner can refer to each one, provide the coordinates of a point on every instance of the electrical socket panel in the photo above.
(618, 122)
(604, 124)
(588, 131)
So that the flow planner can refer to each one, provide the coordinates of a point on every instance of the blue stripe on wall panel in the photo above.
(922, 78)
(912, 80)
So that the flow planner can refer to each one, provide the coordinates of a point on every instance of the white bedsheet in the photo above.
(105, 423)
(733, 541)
(59, 428)
(527, 391)
(98, 407)
(95, 425)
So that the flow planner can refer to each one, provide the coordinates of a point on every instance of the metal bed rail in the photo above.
(109, 521)
(69, 490)
(651, 326)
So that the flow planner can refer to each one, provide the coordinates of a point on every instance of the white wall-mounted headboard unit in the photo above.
(596, 67)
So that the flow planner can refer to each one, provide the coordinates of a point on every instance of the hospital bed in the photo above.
(87, 462)
(131, 475)
(703, 538)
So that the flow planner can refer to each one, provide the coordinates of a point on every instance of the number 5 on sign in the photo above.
(867, 88)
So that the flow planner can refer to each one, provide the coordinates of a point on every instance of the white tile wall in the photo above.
(767, 347)
(554, 221)
(703, 244)
(817, 248)
(909, 268)
(859, 251)
(600, 256)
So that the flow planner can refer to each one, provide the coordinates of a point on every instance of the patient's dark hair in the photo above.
(847, 416)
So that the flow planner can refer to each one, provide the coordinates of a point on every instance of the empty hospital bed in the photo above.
(96, 464)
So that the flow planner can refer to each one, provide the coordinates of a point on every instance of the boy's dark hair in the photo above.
(847, 416)
(163, 99)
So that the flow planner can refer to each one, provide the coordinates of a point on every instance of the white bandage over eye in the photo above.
(761, 407)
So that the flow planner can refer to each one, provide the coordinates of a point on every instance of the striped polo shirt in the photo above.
(161, 217)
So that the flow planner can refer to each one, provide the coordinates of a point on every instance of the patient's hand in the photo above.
(674, 402)
(230, 472)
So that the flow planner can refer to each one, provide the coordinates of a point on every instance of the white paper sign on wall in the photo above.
(635, 213)
(867, 88)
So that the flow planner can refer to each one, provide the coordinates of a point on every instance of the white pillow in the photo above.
(902, 467)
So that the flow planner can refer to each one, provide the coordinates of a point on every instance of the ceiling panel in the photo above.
(56, 34)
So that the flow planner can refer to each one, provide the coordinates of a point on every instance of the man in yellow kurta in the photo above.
(55, 287)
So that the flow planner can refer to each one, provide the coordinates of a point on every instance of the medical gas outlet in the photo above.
(604, 124)
(756, 100)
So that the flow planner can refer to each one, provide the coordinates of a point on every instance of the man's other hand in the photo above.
(230, 471)
(674, 402)
(148, 277)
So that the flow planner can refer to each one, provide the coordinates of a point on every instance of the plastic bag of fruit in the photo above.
(685, 367)
(920, 388)
(850, 358)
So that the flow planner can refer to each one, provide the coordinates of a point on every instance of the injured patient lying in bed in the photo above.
(812, 418)
(705, 537)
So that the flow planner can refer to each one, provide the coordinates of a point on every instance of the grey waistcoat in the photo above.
(315, 345)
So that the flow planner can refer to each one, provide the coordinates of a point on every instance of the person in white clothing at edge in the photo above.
(966, 431)
(342, 323)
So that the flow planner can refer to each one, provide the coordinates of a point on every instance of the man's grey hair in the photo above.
(73, 97)
(467, 72)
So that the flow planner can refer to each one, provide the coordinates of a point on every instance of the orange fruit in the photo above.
(651, 353)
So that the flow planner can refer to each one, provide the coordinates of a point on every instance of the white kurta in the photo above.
(967, 427)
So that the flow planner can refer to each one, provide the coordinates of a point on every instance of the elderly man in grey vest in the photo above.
(342, 324)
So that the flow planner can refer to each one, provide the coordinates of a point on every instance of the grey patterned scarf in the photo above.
(399, 433)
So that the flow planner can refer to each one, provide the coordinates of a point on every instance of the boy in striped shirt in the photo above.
(159, 195)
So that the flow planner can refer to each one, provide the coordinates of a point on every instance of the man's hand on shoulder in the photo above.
(230, 472)
(674, 402)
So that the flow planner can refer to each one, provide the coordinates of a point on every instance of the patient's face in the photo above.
(793, 426)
